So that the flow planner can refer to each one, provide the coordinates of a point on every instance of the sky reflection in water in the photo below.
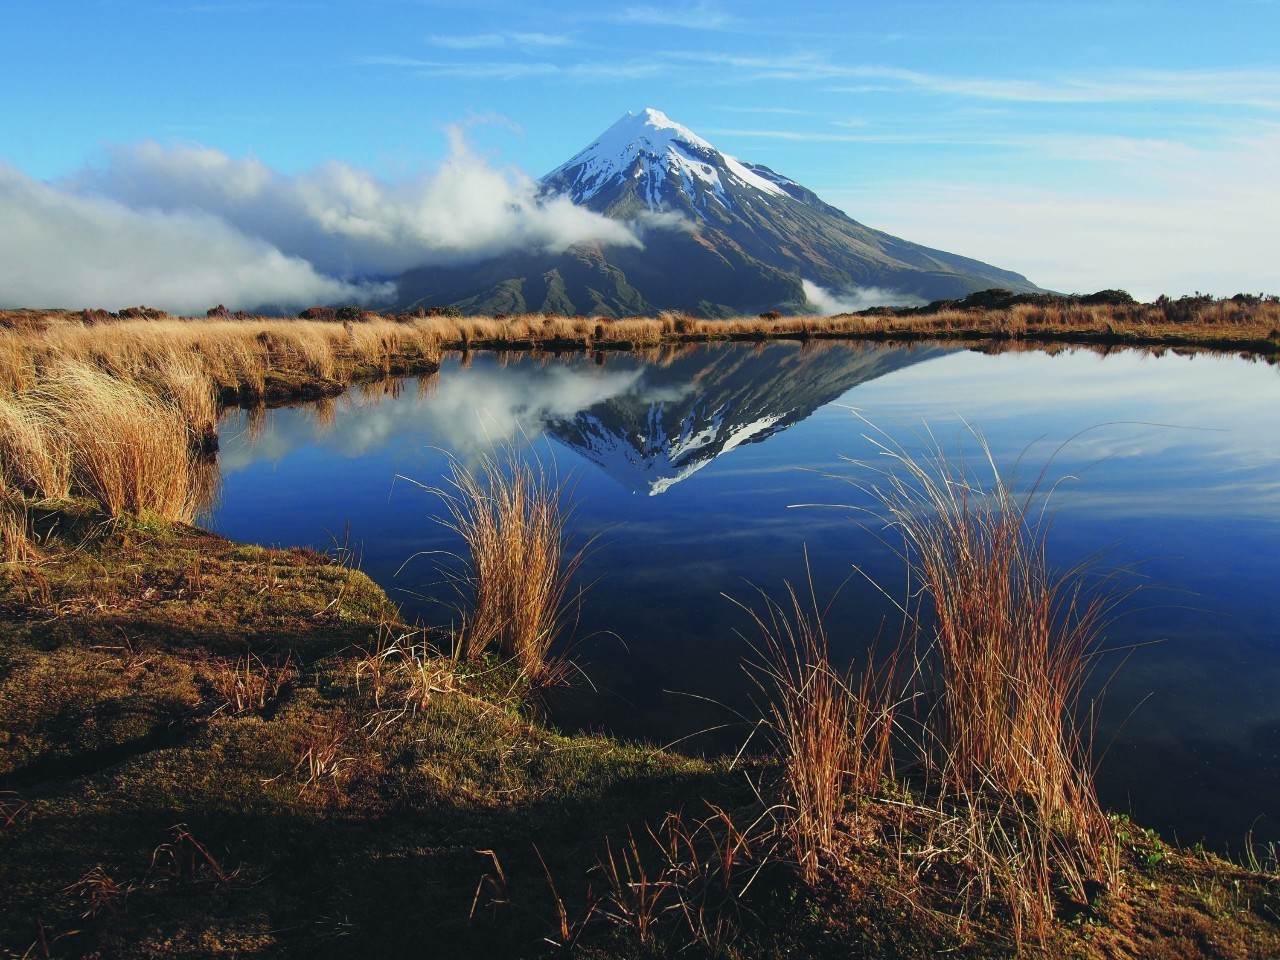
(1172, 463)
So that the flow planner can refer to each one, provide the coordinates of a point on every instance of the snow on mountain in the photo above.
(655, 459)
(651, 148)
(735, 239)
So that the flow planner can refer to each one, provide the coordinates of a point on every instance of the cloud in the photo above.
(468, 415)
(701, 16)
(59, 249)
(184, 227)
(829, 303)
(483, 41)
(1244, 86)
(583, 71)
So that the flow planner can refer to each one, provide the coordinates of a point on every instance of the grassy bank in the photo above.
(208, 749)
(256, 358)
(69, 380)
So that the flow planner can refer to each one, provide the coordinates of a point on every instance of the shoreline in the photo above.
(215, 749)
(190, 768)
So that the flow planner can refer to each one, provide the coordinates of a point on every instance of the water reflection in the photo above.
(1172, 463)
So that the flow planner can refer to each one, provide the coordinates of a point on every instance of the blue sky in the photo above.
(1087, 145)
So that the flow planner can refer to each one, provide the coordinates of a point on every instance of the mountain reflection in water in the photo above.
(698, 404)
(1171, 464)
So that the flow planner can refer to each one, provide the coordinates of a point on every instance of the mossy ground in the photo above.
(150, 810)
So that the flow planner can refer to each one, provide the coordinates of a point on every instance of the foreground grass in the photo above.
(208, 749)
(156, 675)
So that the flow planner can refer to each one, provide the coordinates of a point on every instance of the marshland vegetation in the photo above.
(213, 749)
(178, 372)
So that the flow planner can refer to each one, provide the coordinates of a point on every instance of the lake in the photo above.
(712, 473)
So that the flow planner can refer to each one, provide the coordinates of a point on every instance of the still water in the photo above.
(711, 474)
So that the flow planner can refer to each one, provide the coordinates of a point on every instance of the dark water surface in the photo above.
(689, 466)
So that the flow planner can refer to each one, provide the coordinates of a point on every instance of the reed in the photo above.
(511, 513)
(82, 432)
(1012, 643)
(834, 734)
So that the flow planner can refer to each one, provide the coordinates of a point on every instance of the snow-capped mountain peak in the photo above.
(661, 156)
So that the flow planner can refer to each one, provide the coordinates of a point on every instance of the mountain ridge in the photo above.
(721, 237)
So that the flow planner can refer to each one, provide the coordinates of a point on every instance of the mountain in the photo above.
(721, 237)
(683, 413)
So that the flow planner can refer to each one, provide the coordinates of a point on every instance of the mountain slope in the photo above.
(721, 237)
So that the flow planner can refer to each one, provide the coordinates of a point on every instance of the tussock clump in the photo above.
(1010, 645)
(512, 516)
(834, 734)
(35, 458)
(82, 432)
(131, 451)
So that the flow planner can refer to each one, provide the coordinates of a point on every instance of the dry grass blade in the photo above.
(634, 898)
(402, 675)
(835, 738)
(512, 516)
(1012, 645)
(249, 683)
(16, 545)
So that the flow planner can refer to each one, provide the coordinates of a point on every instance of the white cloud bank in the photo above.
(829, 303)
(185, 227)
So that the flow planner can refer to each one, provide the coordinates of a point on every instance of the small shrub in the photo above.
(1112, 298)
(317, 313)
(139, 313)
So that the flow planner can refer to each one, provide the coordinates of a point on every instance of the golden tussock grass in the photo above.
(1010, 645)
(834, 733)
(15, 541)
(512, 515)
(235, 355)
(996, 749)
(83, 432)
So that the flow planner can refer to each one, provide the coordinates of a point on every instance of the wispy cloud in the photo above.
(780, 111)
(489, 41)
(700, 16)
(799, 136)
(462, 69)
(1255, 87)
(585, 70)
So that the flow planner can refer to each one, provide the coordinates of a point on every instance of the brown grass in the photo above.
(401, 671)
(130, 451)
(512, 516)
(82, 432)
(834, 735)
(15, 542)
(34, 459)
(1011, 645)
